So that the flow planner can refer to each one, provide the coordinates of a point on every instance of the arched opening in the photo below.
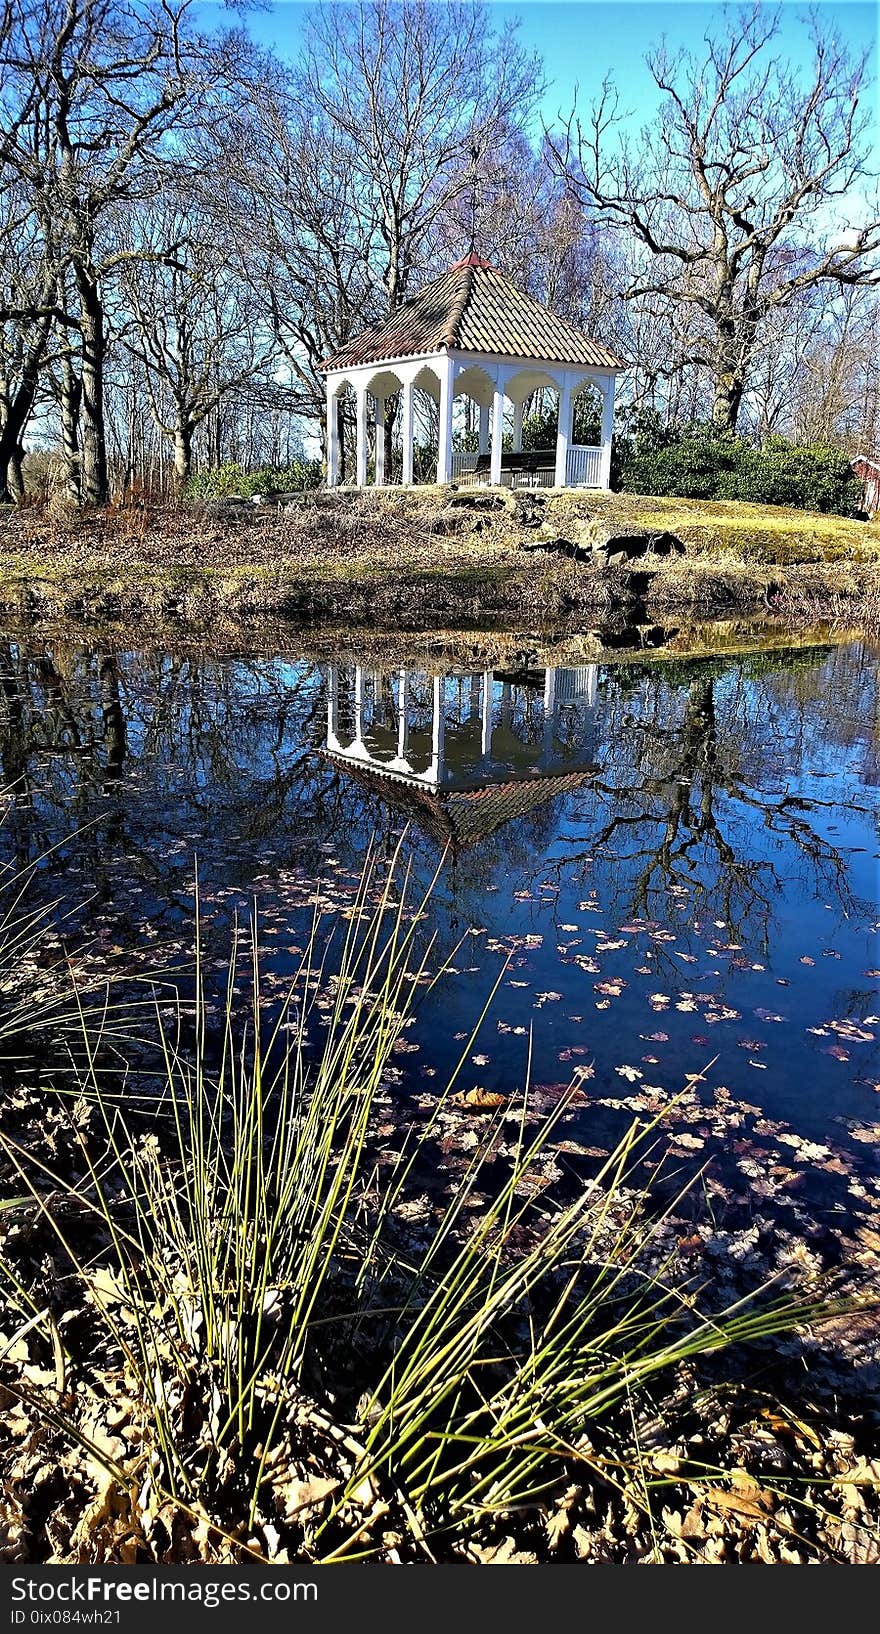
(384, 445)
(535, 395)
(425, 425)
(587, 405)
(586, 463)
(342, 433)
(474, 394)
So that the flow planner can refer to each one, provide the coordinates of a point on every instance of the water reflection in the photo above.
(670, 852)
(467, 751)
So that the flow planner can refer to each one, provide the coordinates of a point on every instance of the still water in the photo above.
(674, 863)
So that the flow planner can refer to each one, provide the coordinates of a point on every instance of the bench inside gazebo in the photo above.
(473, 334)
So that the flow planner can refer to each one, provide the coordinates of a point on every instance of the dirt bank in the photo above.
(430, 557)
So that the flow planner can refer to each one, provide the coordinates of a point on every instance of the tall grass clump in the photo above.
(254, 1305)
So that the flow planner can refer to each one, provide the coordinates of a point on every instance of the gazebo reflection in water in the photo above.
(466, 751)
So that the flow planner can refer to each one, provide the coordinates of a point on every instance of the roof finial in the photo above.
(475, 189)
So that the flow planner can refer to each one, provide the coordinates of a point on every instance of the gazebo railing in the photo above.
(583, 466)
(583, 469)
(463, 460)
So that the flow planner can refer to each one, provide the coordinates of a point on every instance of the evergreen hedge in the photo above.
(694, 462)
(231, 481)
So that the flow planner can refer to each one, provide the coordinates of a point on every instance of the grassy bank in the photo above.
(425, 558)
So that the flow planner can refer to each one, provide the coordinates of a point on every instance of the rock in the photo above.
(478, 499)
(630, 545)
(231, 506)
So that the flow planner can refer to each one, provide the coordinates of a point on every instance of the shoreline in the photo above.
(433, 559)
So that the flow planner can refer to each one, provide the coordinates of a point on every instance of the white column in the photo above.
(484, 428)
(607, 432)
(332, 439)
(486, 735)
(333, 707)
(563, 435)
(361, 463)
(517, 427)
(438, 730)
(592, 671)
(444, 448)
(402, 721)
(549, 714)
(497, 436)
(380, 441)
(358, 705)
(406, 427)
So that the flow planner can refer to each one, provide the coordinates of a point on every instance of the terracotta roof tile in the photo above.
(474, 308)
(461, 816)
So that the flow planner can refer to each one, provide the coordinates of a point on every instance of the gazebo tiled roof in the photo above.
(474, 308)
(462, 817)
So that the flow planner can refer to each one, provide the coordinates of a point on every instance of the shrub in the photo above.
(231, 481)
(696, 463)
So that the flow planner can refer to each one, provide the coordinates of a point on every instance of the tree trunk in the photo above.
(183, 437)
(94, 485)
(391, 404)
(70, 396)
(112, 716)
(17, 411)
(15, 473)
(729, 387)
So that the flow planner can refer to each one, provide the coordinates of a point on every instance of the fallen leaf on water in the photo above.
(478, 1097)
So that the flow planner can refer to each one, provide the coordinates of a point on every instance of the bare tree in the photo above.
(28, 279)
(91, 91)
(738, 189)
(194, 323)
(415, 90)
(311, 262)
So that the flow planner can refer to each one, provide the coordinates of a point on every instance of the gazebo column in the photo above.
(406, 427)
(497, 436)
(438, 731)
(332, 438)
(444, 446)
(484, 428)
(358, 705)
(517, 427)
(361, 463)
(607, 432)
(486, 725)
(380, 442)
(333, 707)
(402, 717)
(563, 435)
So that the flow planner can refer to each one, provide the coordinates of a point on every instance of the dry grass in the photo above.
(420, 557)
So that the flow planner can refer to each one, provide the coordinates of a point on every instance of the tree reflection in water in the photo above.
(713, 813)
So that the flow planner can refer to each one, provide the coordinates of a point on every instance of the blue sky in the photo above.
(582, 41)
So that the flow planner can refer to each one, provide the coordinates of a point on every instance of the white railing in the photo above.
(583, 467)
(463, 461)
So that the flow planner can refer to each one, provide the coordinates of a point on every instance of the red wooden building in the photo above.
(867, 469)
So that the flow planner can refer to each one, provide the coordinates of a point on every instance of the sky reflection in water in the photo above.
(679, 858)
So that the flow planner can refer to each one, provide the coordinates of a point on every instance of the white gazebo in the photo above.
(465, 752)
(472, 333)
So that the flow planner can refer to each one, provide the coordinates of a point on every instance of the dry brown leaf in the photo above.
(746, 1498)
(478, 1099)
(787, 1424)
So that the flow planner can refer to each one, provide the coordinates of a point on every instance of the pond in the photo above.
(668, 866)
